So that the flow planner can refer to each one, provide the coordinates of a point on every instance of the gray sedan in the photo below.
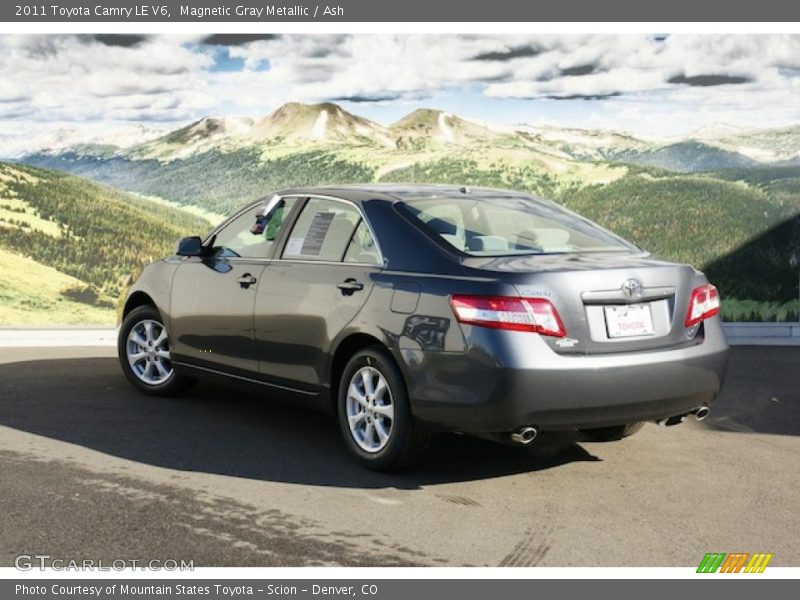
(407, 310)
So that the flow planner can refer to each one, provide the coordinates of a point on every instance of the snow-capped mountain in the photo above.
(292, 124)
(206, 134)
(53, 141)
(296, 127)
(584, 144)
(321, 123)
(427, 126)
(765, 146)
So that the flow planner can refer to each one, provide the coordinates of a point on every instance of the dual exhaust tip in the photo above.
(699, 413)
(524, 435)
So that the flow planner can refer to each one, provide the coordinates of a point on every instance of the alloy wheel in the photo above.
(147, 350)
(370, 410)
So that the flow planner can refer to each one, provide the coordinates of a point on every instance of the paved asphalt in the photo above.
(91, 469)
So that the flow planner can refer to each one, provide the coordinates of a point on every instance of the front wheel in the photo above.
(144, 354)
(375, 414)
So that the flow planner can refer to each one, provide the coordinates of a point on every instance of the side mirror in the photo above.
(190, 246)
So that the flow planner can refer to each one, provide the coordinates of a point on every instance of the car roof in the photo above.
(392, 192)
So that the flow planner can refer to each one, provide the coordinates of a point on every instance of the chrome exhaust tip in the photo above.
(525, 435)
(699, 413)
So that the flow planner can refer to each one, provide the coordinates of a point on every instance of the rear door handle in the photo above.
(348, 286)
(246, 280)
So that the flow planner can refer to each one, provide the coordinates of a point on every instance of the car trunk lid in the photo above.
(609, 302)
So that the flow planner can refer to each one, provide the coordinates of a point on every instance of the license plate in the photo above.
(631, 320)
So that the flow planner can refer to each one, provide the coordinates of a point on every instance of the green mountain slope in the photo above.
(689, 157)
(702, 221)
(34, 294)
(217, 181)
(222, 180)
(87, 231)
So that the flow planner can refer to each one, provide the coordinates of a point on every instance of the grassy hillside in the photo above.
(686, 218)
(747, 242)
(466, 170)
(34, 294)
(216, 181)
(690, 156)
(91, 235)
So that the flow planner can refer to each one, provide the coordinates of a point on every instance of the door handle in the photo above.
(349, 286)
(246, 280)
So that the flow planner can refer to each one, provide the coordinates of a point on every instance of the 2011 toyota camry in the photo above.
(407, 310)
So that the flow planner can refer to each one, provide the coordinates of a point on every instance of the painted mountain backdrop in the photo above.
(725, 199)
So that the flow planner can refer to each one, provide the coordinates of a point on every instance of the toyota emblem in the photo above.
(632, 288)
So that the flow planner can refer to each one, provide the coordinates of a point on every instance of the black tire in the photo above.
(406, 441)
(612, 434)
(175, 384)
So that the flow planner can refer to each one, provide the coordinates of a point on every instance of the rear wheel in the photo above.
(612, 434)
(144, 354)
(375, 414)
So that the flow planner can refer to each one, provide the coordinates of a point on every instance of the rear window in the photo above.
(511, 225)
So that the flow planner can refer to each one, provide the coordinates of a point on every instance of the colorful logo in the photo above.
(736, 562)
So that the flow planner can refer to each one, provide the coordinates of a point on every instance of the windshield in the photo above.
(511, 225)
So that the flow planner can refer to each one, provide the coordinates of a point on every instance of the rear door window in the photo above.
(362, 247)
(323, 231)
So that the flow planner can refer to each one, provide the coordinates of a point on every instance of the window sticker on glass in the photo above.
(294, 246)
(320, 224)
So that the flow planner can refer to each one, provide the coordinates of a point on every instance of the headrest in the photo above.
(487, 243)
(443, 226)
(551, 237)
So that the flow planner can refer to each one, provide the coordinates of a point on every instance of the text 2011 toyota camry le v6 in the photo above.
(407, 310)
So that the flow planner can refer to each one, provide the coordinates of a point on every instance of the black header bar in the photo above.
(255, 11)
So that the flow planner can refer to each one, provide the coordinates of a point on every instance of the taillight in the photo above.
(535, 315)
(704, 303)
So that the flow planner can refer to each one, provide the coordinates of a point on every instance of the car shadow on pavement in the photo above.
(88, 402)
(761, 393)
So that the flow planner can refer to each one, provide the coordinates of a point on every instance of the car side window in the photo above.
(252, 233)
(322, 231)
(362, 248)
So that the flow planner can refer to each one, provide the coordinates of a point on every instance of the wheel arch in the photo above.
(135, 300)
(345, 350)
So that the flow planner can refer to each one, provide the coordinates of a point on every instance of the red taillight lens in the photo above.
(535, 315)
(703, 304)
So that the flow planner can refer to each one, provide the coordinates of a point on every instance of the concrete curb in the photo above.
(30, 337)
(763, 334)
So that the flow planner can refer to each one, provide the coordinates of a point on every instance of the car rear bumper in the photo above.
(508, 380)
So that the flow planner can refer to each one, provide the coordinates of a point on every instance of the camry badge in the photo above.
(566, 342)
(632, 288)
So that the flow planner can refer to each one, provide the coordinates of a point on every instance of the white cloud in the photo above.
(75, 78)
(165, 79)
